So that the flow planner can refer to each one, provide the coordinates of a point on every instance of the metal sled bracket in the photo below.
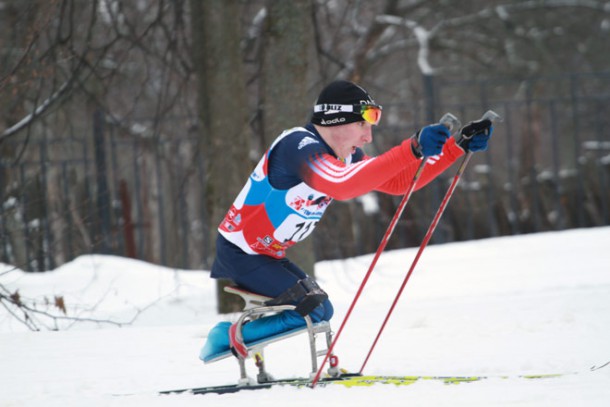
(251, 299)
(253, 310)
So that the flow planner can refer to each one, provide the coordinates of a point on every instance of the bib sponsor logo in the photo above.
(232, 220)
(300, 203)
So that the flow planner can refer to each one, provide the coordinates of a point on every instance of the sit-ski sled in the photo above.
(255, 307)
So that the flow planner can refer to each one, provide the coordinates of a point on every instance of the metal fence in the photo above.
(547, 167)
(551, 156)
(109, 190)
(140, 193)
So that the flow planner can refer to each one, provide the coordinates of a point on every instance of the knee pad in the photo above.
(322, 312)
(306, 295)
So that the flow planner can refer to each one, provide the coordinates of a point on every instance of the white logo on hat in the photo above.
(333, 121)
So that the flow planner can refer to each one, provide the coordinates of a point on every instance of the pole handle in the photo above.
(450, 121)
(478, 125)
(492, 116)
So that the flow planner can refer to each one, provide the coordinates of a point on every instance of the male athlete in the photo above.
(284, 198)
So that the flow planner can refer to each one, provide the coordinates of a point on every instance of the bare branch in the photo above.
(28, 311)
(422, 36)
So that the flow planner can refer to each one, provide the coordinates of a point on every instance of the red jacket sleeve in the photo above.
(434, 166)
(390, 172)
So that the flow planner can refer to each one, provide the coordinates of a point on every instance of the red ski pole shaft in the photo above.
(448, 120)
(382, 245)
(423, 245)
(490, 115)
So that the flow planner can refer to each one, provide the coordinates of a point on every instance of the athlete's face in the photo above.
(348, 137)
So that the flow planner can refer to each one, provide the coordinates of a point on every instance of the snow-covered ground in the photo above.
(534, 304)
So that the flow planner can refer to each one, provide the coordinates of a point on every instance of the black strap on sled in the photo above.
(306, 294)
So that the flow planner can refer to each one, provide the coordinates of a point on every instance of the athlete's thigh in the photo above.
(271, 278)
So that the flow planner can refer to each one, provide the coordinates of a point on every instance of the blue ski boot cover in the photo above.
(218, 338)
(217, 342)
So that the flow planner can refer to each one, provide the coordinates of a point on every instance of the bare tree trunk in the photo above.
(222, 107)
(15, 36)
(287, 50)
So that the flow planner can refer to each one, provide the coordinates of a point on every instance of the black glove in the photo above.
(474, 136)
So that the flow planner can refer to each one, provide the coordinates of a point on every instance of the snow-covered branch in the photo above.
(504, 12)
(422, 36)
(38, 111)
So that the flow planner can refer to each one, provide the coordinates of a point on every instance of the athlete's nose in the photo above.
(367, 136)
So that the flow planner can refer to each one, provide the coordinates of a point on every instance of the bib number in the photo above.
(303, 230)
(295, 229)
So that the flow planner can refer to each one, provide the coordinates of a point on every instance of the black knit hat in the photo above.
(339, 93)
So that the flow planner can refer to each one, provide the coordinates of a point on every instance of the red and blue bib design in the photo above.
(267, 220)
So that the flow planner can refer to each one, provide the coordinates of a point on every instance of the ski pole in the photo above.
(448, 120)
(489, 115)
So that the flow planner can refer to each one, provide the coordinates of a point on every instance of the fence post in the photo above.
(46, 260)
(531, 162)
(490, 187)
(603, 196)
(431, 117)
(580, 194)
(103, 193)
(513, 176)
(128, 233)
(554, 119)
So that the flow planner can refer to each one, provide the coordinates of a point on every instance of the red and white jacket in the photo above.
(299, 176)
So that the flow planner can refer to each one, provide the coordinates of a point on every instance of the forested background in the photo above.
(128, 127)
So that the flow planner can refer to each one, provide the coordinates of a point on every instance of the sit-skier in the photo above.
(300, 174)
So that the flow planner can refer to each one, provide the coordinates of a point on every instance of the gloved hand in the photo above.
(474, 136)
(430, 140)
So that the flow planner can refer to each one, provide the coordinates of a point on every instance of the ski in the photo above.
(355, 380)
